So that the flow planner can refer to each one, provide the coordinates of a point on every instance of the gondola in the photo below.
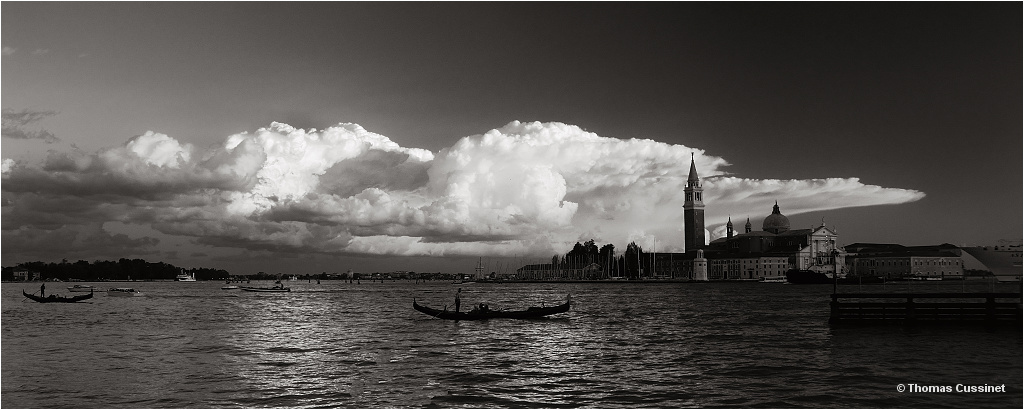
(57, 299)
(482, 313)
(273, 289)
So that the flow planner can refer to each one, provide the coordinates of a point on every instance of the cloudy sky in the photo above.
(315, 137)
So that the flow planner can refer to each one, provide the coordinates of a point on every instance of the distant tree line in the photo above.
(122, 269)
(629, 265)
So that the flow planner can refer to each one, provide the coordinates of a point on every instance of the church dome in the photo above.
(776, 222)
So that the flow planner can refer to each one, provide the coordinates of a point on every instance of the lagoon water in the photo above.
(623, 345)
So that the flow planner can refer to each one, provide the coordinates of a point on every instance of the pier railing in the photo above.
(919, 308)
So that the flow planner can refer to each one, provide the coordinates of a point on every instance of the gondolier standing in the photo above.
(458, 301)
(42, 290)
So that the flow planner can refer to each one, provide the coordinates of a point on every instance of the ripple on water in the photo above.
(345, 345)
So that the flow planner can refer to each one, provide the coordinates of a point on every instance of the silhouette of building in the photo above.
(893, 261)
(750, 255)
(693, 211)
(547, 271)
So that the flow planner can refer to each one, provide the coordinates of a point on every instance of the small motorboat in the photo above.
(80, 288)
(482, 312)
(123, 292)
(229, 287)
(56, 298)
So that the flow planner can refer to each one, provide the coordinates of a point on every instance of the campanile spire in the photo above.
(693, 210)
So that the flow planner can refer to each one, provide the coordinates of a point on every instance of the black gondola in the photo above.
(57, 299)
(483, 313)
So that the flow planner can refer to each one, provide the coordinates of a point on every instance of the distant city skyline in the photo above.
(312, 137)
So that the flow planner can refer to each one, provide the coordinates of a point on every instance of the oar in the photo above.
(438, 313)
(443, 311)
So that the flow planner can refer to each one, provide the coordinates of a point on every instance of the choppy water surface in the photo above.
(338, 344)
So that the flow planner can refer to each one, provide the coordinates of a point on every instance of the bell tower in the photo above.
(693, 211)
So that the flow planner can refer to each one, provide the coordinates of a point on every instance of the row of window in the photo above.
(904, 262)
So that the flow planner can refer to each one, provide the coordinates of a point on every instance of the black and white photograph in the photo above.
(376, 205)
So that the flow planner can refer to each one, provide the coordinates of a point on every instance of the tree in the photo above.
(590, 252)
(605, 256)
(633, 255)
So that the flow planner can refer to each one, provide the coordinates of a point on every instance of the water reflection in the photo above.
(363, 346)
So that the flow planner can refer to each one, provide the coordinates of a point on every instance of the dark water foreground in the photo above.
(193, 345)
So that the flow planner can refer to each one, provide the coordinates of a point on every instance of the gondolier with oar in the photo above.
(458, 300)
(42, 290)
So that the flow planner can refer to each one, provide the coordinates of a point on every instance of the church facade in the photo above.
(750, 255)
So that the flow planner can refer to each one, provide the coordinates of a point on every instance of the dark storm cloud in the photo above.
(73, 242)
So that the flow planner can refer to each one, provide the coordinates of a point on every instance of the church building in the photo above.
(750, 255)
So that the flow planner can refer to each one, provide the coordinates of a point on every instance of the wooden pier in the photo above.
(991, 309)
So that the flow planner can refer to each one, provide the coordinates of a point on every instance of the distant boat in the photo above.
(80, 288)
(482, 312)
(123, 292)
(478, 271)
(1003, 259)
(803, 277)
(185, 277)
(773, 279)
(277, 289)
(56, 298)
(229, 287)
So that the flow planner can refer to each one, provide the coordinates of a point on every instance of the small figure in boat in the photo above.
(42, 290)
(458, 300)
(481, 308)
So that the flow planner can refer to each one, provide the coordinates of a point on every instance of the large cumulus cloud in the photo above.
(525, 189)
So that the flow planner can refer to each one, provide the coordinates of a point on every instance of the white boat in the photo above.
(229, 287)
(185, 277)
(123, 292)
(773, 279)
(1003, 259)
(80, 288)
